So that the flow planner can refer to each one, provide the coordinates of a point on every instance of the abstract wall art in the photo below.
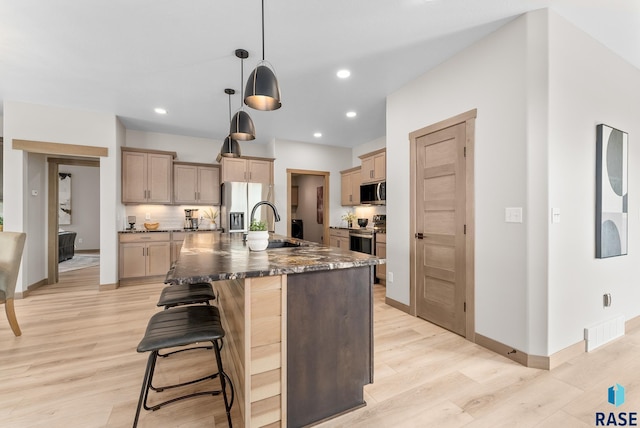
(611, 192)
(64, 198)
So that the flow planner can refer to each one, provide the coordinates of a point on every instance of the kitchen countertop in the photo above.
(215, 257)
(168, 230)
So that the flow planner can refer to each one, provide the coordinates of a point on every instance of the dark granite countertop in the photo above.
(215, 257)
(167, 230)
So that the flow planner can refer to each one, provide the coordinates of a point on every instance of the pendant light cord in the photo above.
(241, 83)
(263, 30)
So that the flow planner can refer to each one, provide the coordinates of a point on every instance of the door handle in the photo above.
(419, 235)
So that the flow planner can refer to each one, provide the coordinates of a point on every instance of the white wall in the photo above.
(85, 205)
(489, 76)
(316, 157)
(589, 85)
(36, 213)
(368, 147)
(191, 149)
(58, 125)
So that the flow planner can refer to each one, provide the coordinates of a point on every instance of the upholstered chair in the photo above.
(11, 247)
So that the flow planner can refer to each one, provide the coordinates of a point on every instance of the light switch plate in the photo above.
(513, 215)
(555, 215)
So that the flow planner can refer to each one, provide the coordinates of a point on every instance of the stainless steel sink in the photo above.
(283, 244)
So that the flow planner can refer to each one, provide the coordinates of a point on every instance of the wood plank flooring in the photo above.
(76, 365)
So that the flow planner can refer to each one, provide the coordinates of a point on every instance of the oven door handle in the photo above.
(357, 235)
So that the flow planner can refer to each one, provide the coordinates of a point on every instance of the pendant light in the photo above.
(230, 147)
(241, 127)
(263, 90)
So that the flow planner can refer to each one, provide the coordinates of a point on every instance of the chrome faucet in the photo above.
(255, 207)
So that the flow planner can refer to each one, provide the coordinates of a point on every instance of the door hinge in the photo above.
(465, 306)
(465, 229)
(465, 151)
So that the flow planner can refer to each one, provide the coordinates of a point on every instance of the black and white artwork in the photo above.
(64, 198)
(611, 192)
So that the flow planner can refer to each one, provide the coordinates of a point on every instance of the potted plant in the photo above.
(258, 237)
(349, 217)
(211, 214)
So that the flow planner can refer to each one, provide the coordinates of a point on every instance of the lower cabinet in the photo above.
(381, 251)
(144, 255)
(339, 238)
(177, 238)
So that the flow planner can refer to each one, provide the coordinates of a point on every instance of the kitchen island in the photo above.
(298, 322)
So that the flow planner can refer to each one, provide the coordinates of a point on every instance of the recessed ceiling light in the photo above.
(351, 114)
(317, 134)
(343, 74)
(160, 110)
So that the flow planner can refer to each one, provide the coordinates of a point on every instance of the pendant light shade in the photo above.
(242, 127)
(263, 90)
(230, 148)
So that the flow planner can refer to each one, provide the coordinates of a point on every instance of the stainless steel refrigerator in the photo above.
(238, 199)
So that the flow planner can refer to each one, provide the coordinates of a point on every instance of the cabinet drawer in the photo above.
(339, 233)
(144, 237)
(381, 237)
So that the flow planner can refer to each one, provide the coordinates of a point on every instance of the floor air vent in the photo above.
(599, 334)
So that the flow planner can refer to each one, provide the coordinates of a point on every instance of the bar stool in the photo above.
(186, 294)
(182, 326)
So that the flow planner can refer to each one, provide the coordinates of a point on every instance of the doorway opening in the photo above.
(73, 219)
(442, 224)
(308, 205)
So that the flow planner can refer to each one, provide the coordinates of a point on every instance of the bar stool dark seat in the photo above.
(186, 294)
(182, 326)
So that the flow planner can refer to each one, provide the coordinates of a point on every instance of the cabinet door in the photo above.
(159, 178)
(381, 251)
(334, 241)
(367, 170)
(259, 171)
(185, 181)
(380, 167)
(134, 177)
(355, 187)
(346, 188)
(209, 185)
(158, 258)
(234, 169)
(133, 260)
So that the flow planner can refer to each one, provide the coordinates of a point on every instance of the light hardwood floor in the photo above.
(76, 366)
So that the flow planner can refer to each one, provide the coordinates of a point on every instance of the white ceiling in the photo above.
(129, 56)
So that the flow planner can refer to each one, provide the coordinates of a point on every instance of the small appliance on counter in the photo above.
(362, 222)
(131, 219)
(191, 218)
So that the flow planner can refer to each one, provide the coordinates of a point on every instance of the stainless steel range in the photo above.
(363, 239)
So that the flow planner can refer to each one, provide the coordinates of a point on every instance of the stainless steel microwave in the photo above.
(373, 194)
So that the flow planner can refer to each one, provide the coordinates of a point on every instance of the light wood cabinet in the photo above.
(374, 166)
(196, 183)
(144, 255)
(381, 251)
(339, 238)
(251, 170)
(350, 187)
(177, 239)
(146, 176)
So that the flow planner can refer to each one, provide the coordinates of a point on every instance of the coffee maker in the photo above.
(191, 218)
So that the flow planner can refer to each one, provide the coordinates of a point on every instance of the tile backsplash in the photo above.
(169, 216)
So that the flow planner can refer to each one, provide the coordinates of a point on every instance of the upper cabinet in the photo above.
(146, 176)
(350, 187)
(374, 166)
(195, 183)
(251, 170)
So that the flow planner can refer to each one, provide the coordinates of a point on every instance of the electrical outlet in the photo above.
(390, 276)
(80, 240)
(147, 216)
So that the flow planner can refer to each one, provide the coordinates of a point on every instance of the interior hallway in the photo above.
(76, 366)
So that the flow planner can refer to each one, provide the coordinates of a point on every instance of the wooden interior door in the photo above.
(439, 238)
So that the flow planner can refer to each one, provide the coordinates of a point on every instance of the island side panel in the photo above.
(231, 302)
(330, 343)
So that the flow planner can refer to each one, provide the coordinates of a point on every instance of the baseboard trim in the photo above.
(103, 287)
(142, 280)
(502, 349)
(566, 354)
(397, 305)
(30, 288)
(631, 324)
